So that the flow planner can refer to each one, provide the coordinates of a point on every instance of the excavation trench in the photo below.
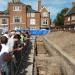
(46, 63)
(50, 60)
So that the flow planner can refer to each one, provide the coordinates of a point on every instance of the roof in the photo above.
(43, 8)
(17, 3)
(4, 12)
(30, 10)
(70, 11)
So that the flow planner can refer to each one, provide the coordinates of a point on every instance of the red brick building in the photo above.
(22, 16)
(69, 20)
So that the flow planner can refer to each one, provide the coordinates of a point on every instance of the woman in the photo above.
(3, 51)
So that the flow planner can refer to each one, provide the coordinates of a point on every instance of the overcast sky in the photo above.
(54, 6)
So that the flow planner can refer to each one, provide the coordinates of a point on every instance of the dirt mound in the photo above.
(65, 40)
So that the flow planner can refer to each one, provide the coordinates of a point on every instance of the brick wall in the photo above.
(21, 13)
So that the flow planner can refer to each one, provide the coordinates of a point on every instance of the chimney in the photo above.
(39, 5)
(10, 0)
(73, 3)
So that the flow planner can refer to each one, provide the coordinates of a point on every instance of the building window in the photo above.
(32, 14)
(33, 28)
(73, 17)
(32, 21)
(16, 8)
(45, 14)
(44, 22)
(68, 19)
(17, 28)
(4, 21)
(17, 19)
(28, 14)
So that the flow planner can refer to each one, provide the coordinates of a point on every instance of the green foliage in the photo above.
(59, 21)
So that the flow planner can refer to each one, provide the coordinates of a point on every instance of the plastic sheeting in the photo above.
(36, 31)
(39, 31)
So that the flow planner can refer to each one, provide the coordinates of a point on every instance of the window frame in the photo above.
(32, 14)
(44, 22)
(28, 14)
(73, 17)
(32, 21)
(5, 21)
(16, 18)
(45, 14)
(16, 8)
(68, 19)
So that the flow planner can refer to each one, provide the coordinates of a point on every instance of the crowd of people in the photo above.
(11, 46)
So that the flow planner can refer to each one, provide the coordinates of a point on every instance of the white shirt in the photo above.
(10, 43)
(6, 35)
(5, 49)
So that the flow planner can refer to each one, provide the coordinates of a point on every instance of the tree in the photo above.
(59, 21)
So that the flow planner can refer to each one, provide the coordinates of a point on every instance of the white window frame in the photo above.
(17, 17)
(33, 28)
(16, 8)
(4, 23)
(32, 14)
(73, 17)
(28, 14)
(45, 14)
(17, 28)
(68, 19)
(44, 22)
(32, 21)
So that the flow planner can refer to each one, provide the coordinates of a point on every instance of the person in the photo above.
(0, 59)
(22, 38)
(27, 38)
(0, 73)
(4, 50)
(17, 48)
(10, 43)
(6, 34)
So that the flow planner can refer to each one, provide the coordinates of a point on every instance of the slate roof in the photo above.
(4, 12)
(70, 11)
(30, 10)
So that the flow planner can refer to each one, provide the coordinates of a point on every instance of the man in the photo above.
(10, 43)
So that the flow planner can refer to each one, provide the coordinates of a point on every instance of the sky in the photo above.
(53, 6)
